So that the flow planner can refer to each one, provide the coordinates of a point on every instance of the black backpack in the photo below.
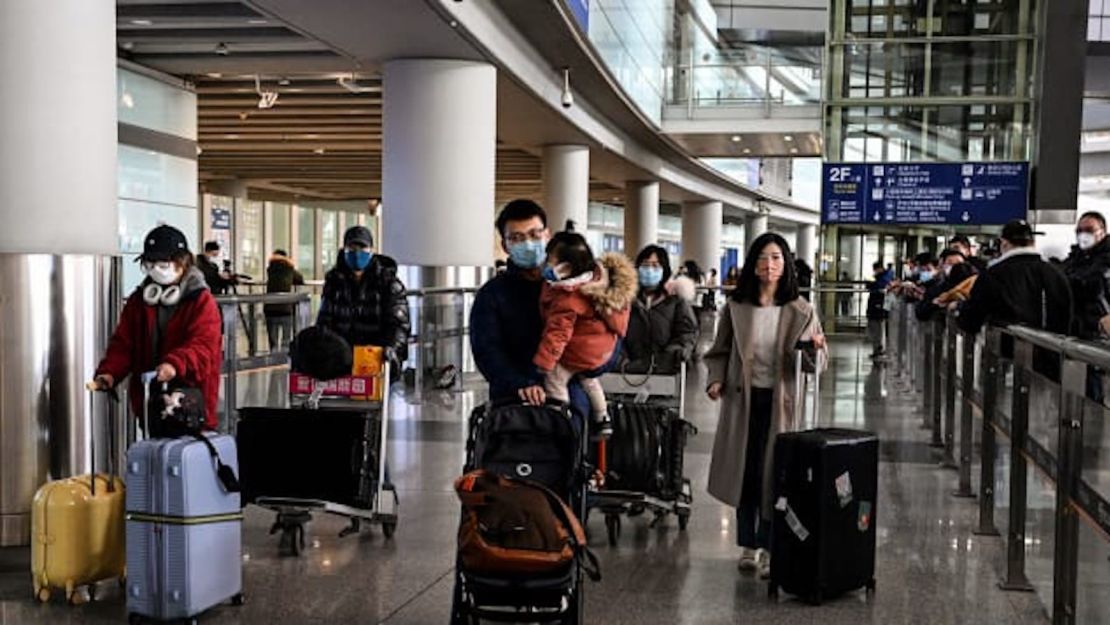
(538, 443)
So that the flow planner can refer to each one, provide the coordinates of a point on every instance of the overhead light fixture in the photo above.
(318, 151)
(567, 97)
(142, 23)
(127, 45)
(284, 82)
(243, 115)
(787, 138)
(350, 83)
(214, 75)
(222, 49)
(266, 99)
(793, 150)
(231, 136)
(747, 150)
(257, 21)
(736, 138)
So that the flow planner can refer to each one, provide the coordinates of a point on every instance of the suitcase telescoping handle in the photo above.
(95, 389)
(146, 379)
(803, 348)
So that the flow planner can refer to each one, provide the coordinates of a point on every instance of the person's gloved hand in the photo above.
(103, 382)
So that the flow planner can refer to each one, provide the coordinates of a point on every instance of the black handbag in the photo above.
(321, 353)
(175, 409)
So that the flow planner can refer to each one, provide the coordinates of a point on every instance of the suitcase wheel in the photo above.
(683, 521)
(613, 527)
(43, 594)
(238, 599)
(388, 528)
(871, 586)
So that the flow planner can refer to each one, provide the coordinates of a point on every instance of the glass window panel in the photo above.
(1093, 28)
(148, 103)
(329, 238)
(306, 241)
(280, 227)
(155, 177)
(1105, 34)
(248, 237)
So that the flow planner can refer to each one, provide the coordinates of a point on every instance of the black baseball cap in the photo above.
(359, 235)
(164, 243)
(961, 239)
(1019, 232)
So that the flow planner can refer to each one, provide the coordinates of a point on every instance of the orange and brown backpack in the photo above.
(518, 528)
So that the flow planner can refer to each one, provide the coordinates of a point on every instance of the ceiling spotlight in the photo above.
(142, 23)
(350, 83)
(222, 49)
(214, 75)
(284, 82)
(793, 150)
(266, 99)
(257, 21)
(318, 151)
(747, 150)
(787, 138)
(736, 138)
(243, 115)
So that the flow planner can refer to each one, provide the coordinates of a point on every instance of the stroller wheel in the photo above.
(613, 527)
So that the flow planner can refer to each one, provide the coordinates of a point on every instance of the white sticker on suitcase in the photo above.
(844, 489)
(795, 524)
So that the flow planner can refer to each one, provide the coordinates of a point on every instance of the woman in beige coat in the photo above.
(752, 371)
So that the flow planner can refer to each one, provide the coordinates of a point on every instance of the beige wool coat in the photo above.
(726, 361)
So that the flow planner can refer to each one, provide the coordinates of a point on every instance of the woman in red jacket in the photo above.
(170, 325)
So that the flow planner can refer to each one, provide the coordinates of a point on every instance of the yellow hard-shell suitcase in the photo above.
(77, 533)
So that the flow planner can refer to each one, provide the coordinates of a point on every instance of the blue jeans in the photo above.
(752, 530)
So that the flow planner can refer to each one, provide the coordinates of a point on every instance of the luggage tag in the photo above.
(844, 489)
(792, 520)
(642, 396)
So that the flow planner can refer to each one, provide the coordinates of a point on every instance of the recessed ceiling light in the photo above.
(214, 75)
(793, 150)
(454, 24)
(127, 45)
(283, 81)
(243, 115)
(295, 90)
(318, 151)
(787, 138)
(736, 138)
(747, 150)
(257, 21)
(231, 136)
(222, 49)
(312, 135)
(142, 22)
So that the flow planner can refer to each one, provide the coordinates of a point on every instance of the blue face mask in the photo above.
(925, 276)
(549, 274)
(528, 254)
(358, 259)
(650, 277)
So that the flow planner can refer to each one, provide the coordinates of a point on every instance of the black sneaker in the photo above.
(603, 428)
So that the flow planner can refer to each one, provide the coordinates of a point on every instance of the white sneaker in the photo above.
(763, 563)
(748, 559)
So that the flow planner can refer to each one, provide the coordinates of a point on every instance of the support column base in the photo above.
(1022, 585)
(986, 532)
(962, 494)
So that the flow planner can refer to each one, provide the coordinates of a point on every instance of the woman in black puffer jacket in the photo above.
(363, 300)
(663, 330)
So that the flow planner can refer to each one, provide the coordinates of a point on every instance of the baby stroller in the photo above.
(543, 444)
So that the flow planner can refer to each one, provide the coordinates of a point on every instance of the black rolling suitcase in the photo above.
(823, 533)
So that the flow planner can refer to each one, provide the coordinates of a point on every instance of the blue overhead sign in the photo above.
(581, 11)
(924, 193)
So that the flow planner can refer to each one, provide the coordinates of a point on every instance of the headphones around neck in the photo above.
(155, 294)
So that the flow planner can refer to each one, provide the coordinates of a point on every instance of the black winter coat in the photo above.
(1088, 274)
(505, 329)
(216, 283)
(281, 277)
(1021, 289)
(666, 332)
(372, 310)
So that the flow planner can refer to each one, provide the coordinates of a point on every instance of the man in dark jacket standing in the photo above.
(281, 277)
(876, 309)
(1088, 271)
(363, 300)
(220, 282)
(1019, 287)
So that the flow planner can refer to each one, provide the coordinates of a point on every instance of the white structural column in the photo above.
(566, 185)
(58, 127)
(807, 244)
(701, 234)
(641, 216)
(755, 226)
(439, 153)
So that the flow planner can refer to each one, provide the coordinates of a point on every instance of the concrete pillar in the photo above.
(701, 234)
(58, 208)
(851, 256)
(641, 216)
(807, 244)
(755, 226)
(566, 185)
(439, 151)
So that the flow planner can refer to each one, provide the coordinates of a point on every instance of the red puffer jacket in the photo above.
(192, 344)
(582, 323)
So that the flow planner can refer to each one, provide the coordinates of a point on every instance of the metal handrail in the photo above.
(1076, 498)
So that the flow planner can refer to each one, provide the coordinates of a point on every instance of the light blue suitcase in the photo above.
(183, 528)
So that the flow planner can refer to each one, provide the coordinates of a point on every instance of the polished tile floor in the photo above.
(931, 570)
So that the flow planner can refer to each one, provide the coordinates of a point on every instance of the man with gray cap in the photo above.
(363, 300)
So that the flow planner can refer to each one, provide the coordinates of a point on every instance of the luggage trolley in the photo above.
(376, 501)
(659, 391)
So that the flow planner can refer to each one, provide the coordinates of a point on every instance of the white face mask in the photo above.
(163, 272)
(1085, 240)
